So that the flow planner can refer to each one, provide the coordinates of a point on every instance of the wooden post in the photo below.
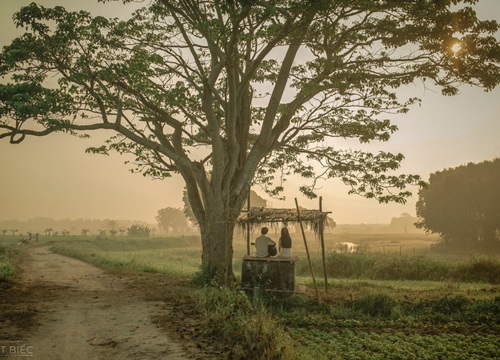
(255, 296)
(307, 250)
(248, 225)
(322, 239)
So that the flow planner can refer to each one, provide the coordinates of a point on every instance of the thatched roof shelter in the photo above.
(313, 219)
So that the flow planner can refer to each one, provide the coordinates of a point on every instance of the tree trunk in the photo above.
(217, 242)
(216, 213)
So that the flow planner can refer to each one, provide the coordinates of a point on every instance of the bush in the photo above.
(353, 265)
(376, 305)
(479, 270)
(137, 230)
(6, 267)
(456, 308)
(450, 305)
(207, 275)
(250, 333)
(409, 268)
(484, 311)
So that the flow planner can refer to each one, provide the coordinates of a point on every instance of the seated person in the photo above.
(262, 243)
(285, 243)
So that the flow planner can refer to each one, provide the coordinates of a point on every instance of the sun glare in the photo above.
(456, 47)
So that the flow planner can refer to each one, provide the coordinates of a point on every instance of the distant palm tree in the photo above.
(48, 231)
(4, 231)
(65, 232)
(122, 231)
(14, 231)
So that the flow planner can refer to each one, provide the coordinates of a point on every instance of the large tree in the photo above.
(462, 205)
(171, 218)
(233, 93)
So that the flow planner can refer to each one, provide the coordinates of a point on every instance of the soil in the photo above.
(63, 308)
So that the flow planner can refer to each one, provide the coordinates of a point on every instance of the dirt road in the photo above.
(83, 312)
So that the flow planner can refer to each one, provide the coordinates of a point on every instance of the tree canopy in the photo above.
(233, 93)
(462, 205)
(171, 219)
(404, 223)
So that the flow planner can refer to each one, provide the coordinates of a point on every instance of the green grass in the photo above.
(171, 255)
(380, 266)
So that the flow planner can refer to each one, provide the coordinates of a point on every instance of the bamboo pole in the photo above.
(248, 225)
(322, 239)
(307, 250)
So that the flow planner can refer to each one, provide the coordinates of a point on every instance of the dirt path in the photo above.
(85, 313)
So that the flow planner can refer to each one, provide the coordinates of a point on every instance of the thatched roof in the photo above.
(267, 215)
(258, 217)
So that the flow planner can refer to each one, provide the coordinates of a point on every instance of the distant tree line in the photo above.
(405, 223)
(86, 227)
(173, 220)
(462, 205)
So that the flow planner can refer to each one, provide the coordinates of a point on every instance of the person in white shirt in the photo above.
(285, 243)
(262, 243)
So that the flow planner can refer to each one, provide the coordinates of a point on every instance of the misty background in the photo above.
(52, 177)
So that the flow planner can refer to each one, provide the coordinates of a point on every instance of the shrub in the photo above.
(445, 309)
(484, 311)
(375, 304)
(6, 267)
(450, 305)
(251, 333)
(206, 275)
(409, 268)
(353, 265)
(137, 230)
(479, 270)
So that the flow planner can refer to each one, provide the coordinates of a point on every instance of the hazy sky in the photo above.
(52, 176)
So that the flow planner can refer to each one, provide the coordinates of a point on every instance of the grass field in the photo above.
(359, 317)
(182, 254)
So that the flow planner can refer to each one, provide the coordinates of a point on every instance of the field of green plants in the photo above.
(380, 304)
